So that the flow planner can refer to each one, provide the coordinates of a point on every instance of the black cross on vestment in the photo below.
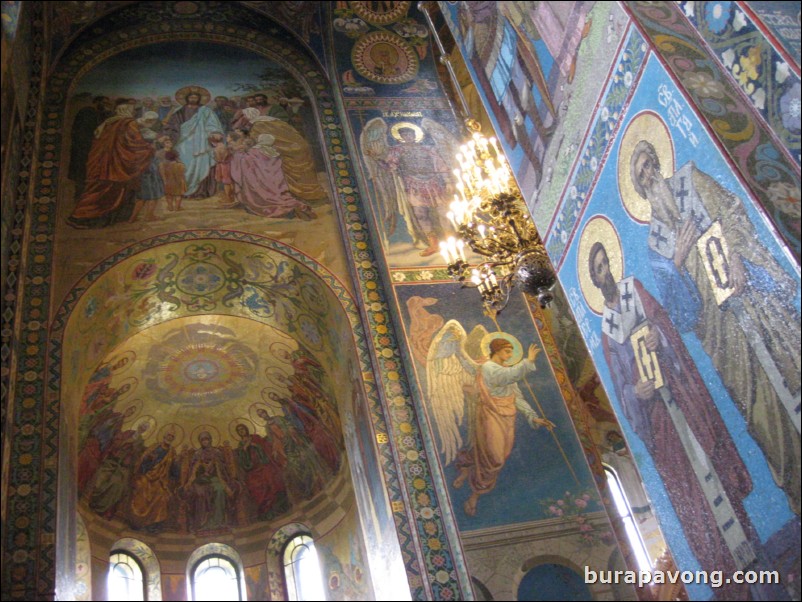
(658, 236)
(681, 194)
(627, 296)
(611, 323)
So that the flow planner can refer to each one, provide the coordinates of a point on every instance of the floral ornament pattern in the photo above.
(743, 45)
(704, 84)
(790, 107)
(718, 15)
(204, 279)
(574, 507)
(746, 69)
(786, 198)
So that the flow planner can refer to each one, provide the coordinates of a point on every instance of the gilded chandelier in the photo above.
(489, 215)
(490, 218)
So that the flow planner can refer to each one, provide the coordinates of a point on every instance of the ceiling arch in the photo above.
(215, 353)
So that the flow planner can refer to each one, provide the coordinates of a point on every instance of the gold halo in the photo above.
(517, 348)
(232, 427)
(273, 374)
(598, 229)
(131, 380)
(280, 346)
(193, 438)
(175, 429)
(271, 407)
(129, 356)
(137, 405)
(650, 127)
(181, 94)
(151, 422)
(394, 131)
(402, 64)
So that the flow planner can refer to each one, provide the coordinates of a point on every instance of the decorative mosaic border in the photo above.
(34, 437)
(431, 275)
(21, 579)
(772, 178)
(749, 57)
(445, 575)
(602, 132)
(396, 104)
(781, 24)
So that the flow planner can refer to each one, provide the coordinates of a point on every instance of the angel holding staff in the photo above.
(494, 399)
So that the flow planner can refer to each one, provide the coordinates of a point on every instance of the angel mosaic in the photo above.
(478, 373)
(411, 179)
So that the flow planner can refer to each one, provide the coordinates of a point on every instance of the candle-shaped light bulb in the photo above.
(452, 247)
(460, 189)
(461, 249)
(444, 252)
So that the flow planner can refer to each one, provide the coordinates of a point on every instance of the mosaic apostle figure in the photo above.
(667, 405)
(719, 281)
(118, 157)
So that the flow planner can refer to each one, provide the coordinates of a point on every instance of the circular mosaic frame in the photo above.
(384, 58)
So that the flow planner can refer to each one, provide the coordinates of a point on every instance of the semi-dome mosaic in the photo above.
(206, 423)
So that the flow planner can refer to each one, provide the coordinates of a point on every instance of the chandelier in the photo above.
(490, 218)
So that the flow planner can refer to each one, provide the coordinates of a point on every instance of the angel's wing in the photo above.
(447, 145)
(448, 370)
(373, 141)
(473, 344)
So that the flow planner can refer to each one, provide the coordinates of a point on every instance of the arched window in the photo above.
(625, 512)
(147, 565)
(215, 577)
(302, 570)
(126, 579)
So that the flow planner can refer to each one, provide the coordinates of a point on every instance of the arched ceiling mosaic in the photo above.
(295, 24)
(204, 423)
(204, 386)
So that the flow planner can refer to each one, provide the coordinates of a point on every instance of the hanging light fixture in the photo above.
(490, 218)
